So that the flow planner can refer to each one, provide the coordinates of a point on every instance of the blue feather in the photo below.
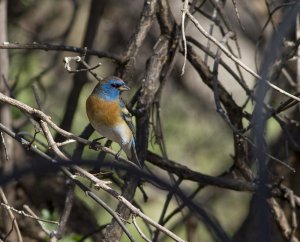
(106, 90)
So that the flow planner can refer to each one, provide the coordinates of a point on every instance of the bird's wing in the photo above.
(127, 117)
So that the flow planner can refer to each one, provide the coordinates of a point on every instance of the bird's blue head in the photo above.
(110, 88)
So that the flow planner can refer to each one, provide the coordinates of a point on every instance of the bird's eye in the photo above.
(115, 85)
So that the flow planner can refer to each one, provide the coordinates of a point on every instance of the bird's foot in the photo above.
(95, 145)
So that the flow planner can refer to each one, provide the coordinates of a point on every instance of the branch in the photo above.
(52, 47)
(57, 233)
(234, 111)
(99, 184)
(185, 10)
(21, 212)
(234, 59)
(40, 221)
(39, 115)
(11, 215)
(142, 28)
(281, 220)
(188, 174)
(138, 37)
(114, 232)
(208, 52)
(139, 230)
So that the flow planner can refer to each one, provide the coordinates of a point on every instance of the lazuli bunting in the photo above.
(109, 116)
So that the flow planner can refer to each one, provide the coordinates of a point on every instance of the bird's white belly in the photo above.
(117, 134)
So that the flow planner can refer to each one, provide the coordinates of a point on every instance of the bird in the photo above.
(109, 116)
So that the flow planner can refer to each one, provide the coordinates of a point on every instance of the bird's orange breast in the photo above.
(103, 112)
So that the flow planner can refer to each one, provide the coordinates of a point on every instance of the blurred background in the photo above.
(195, 135)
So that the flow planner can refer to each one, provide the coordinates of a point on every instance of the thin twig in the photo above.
(39, 220)
(57, 233)
(37, 96)
(211, 29)
(10, 230)
(11, 215)
(240, 81)
(139, 230)
(219, 108)
(79, 59)
(271, 156)
(185, 10)
(182, 205)
(236, 60)
(165, 207)
(112, 213)
(51, 47)
(69, 141)
(3, 143)
(237, 14)
(23, 213)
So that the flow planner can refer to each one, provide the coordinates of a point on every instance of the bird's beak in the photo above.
(124, 88)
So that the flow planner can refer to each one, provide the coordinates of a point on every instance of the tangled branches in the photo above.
(41, 145)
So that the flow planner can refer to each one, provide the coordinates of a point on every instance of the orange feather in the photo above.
(104, 112)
